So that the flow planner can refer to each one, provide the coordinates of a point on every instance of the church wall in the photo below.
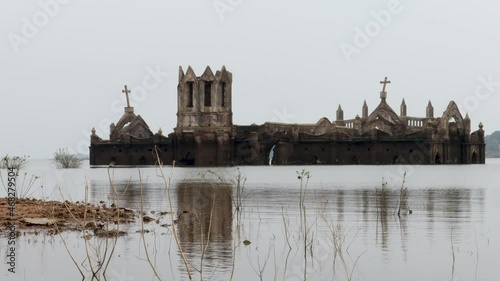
(130, 154)
(455, 153)
(310, 153)
(286, 154)
(351, 153)
(203, 149)
(184, 146)
(206, 149)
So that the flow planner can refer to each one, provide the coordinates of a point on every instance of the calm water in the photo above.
(347, 228)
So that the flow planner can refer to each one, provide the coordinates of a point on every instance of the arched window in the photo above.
(190, 94)
(208, 93)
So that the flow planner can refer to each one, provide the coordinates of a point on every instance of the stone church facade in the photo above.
(206, 136)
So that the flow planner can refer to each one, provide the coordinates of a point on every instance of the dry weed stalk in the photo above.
(26, 188)
(98, 258)
(338, 238)
(403, 196)
(204, 246)
(142, 230)
(239, 184)
(167, 182)
(261, 267)
(58, 231)
(452, 255)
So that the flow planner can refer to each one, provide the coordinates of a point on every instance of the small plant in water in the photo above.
(16, 162)
(303, 175)
(382, 196)
(26, 185)
(63, 159)
(239, 181)
(403, 197)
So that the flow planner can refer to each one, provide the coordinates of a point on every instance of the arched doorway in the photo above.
(437, 159)
(395, 159)
(474, 158)
(354, 160)
(188, 159)
(315, 160)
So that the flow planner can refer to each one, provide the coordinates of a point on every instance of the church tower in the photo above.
(203, 136)
(204, 101)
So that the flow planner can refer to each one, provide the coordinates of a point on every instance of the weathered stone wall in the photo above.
(134, 153)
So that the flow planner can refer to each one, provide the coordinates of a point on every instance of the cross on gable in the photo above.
(385, 82)
(126, 91)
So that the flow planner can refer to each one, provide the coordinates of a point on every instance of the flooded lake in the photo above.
(283, 223)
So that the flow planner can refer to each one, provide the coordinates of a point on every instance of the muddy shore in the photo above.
(33, 215)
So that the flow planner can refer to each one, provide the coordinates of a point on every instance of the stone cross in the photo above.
(126, 91)
(385, 82)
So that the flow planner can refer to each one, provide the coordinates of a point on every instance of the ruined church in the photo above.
(206, 136)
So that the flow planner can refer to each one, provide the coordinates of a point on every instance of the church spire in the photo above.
(403, 108)
(429, 112)
(365, 110)
(340, 114)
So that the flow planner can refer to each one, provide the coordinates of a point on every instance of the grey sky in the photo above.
(286, 59)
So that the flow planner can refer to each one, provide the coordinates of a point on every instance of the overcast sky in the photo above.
(63, 64)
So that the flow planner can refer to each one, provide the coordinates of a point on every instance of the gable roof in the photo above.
(133, 125)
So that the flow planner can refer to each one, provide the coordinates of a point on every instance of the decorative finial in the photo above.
(160, 131)
(181, 73)
(93, 131)
(481, 125)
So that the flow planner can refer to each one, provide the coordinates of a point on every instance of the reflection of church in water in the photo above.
(206, 136)
(205, 216)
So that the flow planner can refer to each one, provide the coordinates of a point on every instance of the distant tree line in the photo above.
(493, 145)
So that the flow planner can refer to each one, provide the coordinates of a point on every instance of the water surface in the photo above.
(346, 227)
